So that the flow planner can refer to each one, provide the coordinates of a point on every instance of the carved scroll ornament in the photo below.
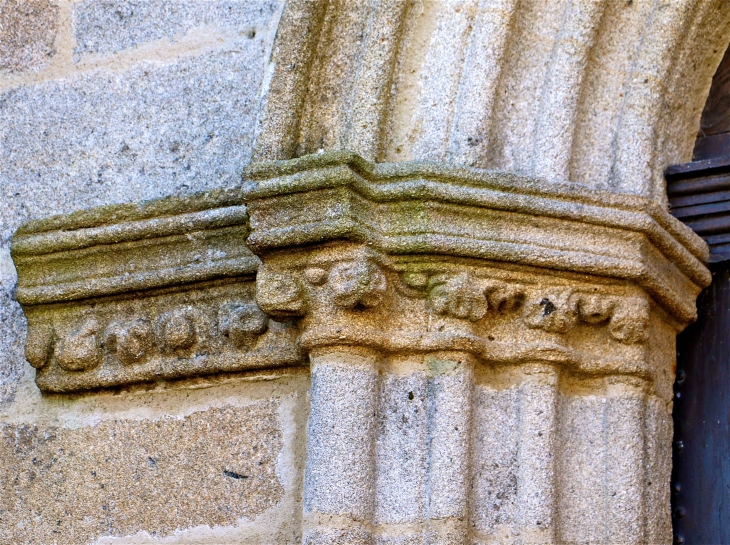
(398, 257)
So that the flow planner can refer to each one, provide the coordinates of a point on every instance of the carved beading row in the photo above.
(555, 310)
(136, 340)
(362, 283)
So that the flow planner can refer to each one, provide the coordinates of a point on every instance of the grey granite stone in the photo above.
(12, 335)
(12, 329)
(105, 137)
(496, 446)
(340, 437)
(27, 32)
(402, 448)
(109, 26)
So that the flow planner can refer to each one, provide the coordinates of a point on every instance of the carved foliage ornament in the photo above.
(362, 284)
(558, 310)
(124, 294)
(348, 284)
(135, 341)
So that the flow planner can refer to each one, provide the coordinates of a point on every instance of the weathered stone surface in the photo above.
(90, 327)
(402, 443)
(419, 208)
(524, 409)
(376, 261)
(108, 136)
(27, 32)
(535, 307)
(72, 486)
(109, 26)
(105, 137)
(595, 92)
(13, 331)
(113, 252)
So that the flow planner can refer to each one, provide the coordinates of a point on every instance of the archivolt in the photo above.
(599, 92)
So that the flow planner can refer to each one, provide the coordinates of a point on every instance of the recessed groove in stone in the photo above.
(441, 73)
(511, 71)
(642, 96)
(553, 137)
(291, 63)
(469, 141)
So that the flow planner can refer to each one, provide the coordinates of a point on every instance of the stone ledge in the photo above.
(396, 257)
(142, 292)
(417, 208)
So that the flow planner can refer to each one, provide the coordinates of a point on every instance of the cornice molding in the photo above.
(131, 293)
(394, 257)
(422, 208)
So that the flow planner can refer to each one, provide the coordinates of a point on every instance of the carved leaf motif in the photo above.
(554, 312)
(279, 294)
(176, 330)
(504, 297)
(38, 345)
(594, 309)
(242, 323)
(80, 351)
(416, 280)
(315, 276)
(132, 341)
(357, 283)
(458, 296)
(630, 321)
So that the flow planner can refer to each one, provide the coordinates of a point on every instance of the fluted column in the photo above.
(536, 493)
(449, 446)
(339, 481)
(477, 378)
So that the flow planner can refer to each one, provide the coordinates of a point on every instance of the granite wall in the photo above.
(116, 101)
(112, 101)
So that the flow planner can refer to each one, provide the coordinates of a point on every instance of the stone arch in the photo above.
(599, 93)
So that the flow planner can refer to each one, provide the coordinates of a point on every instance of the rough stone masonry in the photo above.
(325, 272)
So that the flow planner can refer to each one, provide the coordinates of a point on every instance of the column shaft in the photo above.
(449, 462)
(339, 478)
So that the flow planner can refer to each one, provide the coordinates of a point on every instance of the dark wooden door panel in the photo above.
(701, 472)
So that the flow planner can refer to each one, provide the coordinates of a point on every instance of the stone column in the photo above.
(451, 376)
(339, 482)
(482, 372)
(536, 492)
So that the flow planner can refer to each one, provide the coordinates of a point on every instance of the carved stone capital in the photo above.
(419, 257)
(134, 293)
(400, 258)
(419, 208)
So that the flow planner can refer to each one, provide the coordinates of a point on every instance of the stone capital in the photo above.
(428, 300)
(421, 287)
(420, 257)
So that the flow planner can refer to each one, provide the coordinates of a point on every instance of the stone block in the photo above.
(109, 26)
(27, 32)
(12, 333)
(120, 477)
(104, 137)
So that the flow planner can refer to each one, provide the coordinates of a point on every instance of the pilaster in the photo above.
(457, 283)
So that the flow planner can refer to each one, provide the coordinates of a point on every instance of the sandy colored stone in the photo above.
(560, 278)
(72, 486)
(27, 32)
